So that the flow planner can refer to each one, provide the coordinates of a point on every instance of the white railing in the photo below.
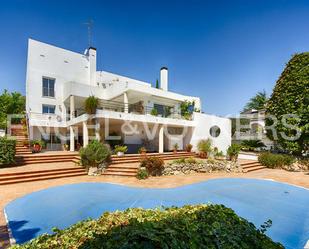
(48, 119)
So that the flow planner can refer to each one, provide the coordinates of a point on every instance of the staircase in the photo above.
(128, 165)
(251, 165)
(22, 141)
(46, 157)
(39, 175)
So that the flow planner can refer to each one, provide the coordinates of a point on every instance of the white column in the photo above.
(97, 130)
(85, 134)
(126, 102)
(72, 107)
(161, 139)
(72, 139)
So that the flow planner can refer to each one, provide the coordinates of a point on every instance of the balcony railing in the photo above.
(140, 108)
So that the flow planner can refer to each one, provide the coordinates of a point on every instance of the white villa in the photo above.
(59, 80)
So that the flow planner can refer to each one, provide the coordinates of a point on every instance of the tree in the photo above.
(11, 103)
(258, 102)
(291, 96)
(157, 84)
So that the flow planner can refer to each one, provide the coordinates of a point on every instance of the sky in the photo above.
(222, 51)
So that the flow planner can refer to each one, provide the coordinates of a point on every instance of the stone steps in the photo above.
(251, 165)
(38, 175)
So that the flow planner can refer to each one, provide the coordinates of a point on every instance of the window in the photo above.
(215, 131)
(48, 87)
(48, 109)
(163, 111)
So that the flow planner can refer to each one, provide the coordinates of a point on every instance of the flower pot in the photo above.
(175, 151)
(203, 155)
(120, 153)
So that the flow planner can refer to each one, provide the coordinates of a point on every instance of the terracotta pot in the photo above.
(203, 155)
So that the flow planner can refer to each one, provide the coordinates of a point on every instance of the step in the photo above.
(35, 157)
(43, 155)
(254, 169)
(42, 178)
(122, 170)
(124, 166)
(39, 171)
(251, 165)
(119, 174)
(42, 174)
(43, 161)
(139, 159)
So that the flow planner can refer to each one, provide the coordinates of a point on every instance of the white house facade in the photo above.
(59, 81)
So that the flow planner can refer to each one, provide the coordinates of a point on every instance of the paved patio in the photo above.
(11, 192)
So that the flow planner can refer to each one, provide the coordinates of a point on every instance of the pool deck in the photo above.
(11, 192)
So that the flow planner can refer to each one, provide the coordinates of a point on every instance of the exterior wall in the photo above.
(201, 131)
(50, 61)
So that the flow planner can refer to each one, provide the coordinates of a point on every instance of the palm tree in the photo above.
(258, 102)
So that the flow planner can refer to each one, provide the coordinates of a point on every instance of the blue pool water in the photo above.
(256, 200)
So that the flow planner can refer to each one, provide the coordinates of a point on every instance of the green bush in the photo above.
(200, 226)
(154, 112)
(153, 165)
(204, 145)
(7, 150)
(91, 104)
(271, 160)
(233, 151)
(142, 174)
(121, 148)
(94, 154)
(251, 145)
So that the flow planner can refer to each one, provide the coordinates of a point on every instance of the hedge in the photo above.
(271, 160)
(7, 150)
(200, 226)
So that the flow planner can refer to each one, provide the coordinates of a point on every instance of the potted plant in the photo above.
(142, 150)
(120, 150)
(65, 147)
(189, 147)
(91, 105)
(154, 112)
(233, 151)
(204, 147)
(175, 147)
(37, 146)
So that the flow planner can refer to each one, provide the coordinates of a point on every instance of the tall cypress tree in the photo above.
(291, 96)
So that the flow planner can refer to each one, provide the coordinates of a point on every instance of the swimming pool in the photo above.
(256, 200)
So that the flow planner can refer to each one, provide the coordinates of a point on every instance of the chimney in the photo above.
(164, 78)
(92, 56)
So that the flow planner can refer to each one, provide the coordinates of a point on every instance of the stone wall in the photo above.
(200, 166)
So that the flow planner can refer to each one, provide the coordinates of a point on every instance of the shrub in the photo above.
(154, 112)
(271, 160)
(142, 150)
(191, 160)
(175, 147)
(91, 104)
(189, 147)
(121, 148)
(153, 165)
(179, 161)
(204, 145)
(7, 150)
(199, 226)
(94, 154)
(251, 145)
(233, 151)
(142, 174)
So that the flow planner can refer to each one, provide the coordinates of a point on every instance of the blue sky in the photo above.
(222, 51)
